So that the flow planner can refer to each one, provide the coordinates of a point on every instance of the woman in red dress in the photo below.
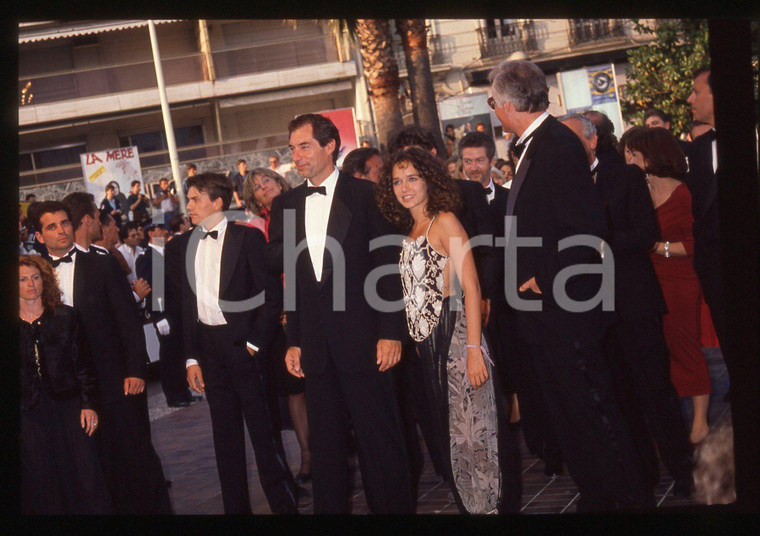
(656, 151)
(259, 189)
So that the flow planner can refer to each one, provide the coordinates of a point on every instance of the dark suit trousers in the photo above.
(640, 365)
(235, 392)
(130, 463)
(593, 436)
(518, 366)
(368, 395)
(172, 366)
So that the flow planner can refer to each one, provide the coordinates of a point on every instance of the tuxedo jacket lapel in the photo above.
(233, 243)
(80, 275)
(337, 224)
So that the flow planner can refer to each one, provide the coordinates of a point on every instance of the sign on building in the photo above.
(101, 168)
(465, 113)
(343, 119)
(592, 88)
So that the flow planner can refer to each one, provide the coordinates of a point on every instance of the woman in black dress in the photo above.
(60, 468)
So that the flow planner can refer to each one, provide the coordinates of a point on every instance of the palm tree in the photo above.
(413, 34)
(381, 72)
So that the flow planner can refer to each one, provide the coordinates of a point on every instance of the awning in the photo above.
(30, 32)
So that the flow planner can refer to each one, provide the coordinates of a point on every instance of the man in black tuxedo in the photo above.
(231, 306)
(701, 179)
(96, 287)
(340, 339)
(171, 362)
(636, 351)
(553, 198)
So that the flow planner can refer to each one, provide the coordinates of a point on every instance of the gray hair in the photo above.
(522, 83)
(588, 127)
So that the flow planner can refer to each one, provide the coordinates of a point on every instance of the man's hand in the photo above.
(530, 284)
(141, 288)
(163, 327)
(293, 361)
(89, 421)
(388, 353)
(134, 386)
(195, 379)
(485, 310)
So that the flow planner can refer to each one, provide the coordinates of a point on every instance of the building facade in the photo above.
(233, 85)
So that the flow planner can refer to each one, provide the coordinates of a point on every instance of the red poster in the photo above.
(343, 118)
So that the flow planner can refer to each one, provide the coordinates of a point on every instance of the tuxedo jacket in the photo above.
(632, 231)
(557, 199)
(243, 275)
(104, 301)
(174, 265)
(476, 219)
(144, 270)
(703, 187)
(498, 208)
(348, 335)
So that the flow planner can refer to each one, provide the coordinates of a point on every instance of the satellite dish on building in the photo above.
(455, 82)
(519, 55)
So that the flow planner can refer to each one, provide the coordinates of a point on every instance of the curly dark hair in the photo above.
(443, 193)
(51, 294)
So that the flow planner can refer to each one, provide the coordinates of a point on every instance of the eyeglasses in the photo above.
(491, 103)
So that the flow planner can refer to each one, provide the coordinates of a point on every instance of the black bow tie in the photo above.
(65, 258)
(488, 190)
(520, 147)
(212, 234)
(713, 134)
(315, 190)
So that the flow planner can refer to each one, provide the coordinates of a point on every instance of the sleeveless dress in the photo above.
(465, 422)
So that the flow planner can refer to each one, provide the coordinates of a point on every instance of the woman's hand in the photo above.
(476, 367)
(89, 420)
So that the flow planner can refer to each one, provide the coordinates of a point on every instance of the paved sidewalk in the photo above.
(183, 440)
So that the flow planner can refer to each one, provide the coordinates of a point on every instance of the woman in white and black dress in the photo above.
(60, 468)
(421, 198)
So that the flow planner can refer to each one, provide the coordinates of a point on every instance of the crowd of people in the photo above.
(418, 288)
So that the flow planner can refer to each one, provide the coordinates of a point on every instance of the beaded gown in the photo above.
(465, 423)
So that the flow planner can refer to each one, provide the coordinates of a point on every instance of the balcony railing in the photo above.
(507, 38)
(587, 30)
(261, 57)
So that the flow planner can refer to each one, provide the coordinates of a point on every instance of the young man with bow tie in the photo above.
(230, 308)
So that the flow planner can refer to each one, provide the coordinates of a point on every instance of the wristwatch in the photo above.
(667, 249)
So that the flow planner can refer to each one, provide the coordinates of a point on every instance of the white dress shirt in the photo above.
(65, 273)
(492, 193)
(715, 155)
(526, 136)
(208, 275)
(316, 218)
(130, 256)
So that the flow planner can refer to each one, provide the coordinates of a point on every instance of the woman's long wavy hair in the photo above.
(51, 294)
(248, 184)
(443, 193)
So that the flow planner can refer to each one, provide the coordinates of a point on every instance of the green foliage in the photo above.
(660, 72)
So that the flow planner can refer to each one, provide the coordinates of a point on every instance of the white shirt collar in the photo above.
(73, 249)
(160, 249)
(81, 248)
(594, 164)
(221, 226)
(533, 126)
(329, 183)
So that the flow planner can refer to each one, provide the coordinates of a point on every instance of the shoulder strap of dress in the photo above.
(429, 226)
